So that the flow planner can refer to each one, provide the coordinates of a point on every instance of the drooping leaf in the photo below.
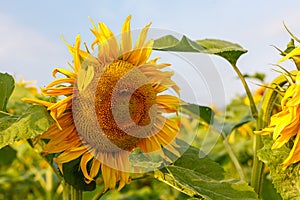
(228, 127)
(75, 177)
(202, 112)
(7, 85)
(32, 123)
(203, 178)
(230, 51)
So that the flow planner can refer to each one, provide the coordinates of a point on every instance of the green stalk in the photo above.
(258, 166)
(98, 195)
(231, 154)
(248, 92)
(256, 177)
(71, 193)
(234, 159)
(263, 120)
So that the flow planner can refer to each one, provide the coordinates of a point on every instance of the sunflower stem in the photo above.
(253, 108)
(71, 193)
(263, 120)
(257, 168)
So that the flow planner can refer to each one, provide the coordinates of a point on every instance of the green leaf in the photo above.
(192, 156)
(32, 123)
(268, 190)
(229, 127)
(7, 85)
(7, 156)
(6, 122)
(257, 75)
(286, 182)
(15, 102)
(202, 177)
(208, 188)
(230, 51)
(75, 177)
(139, 159)
(203, 112)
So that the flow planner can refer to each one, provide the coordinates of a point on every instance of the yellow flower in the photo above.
(257, 96)
(113, 102)
(285, 125)
(294, 55)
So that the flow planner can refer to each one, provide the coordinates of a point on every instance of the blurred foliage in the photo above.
(24, 173)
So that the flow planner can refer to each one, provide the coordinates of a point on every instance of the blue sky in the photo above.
(30, 43)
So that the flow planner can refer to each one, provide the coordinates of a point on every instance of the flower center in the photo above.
(125, 104)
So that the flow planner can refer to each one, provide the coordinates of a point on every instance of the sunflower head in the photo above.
(126, 105)
(114, 100)
(285, 125)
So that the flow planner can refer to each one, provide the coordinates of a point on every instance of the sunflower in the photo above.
(111, 103)
(285, 125)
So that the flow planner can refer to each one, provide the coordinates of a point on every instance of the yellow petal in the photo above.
(140, 56)
(83, 165)
(109, 177)
(294, 155)
(293, 53)
(65, 145)
(95, 167)
(57, 91)
(142, 37)
(111, 39)
(77, 63)
(61, 81)
(37, 101)
(168, 103)
(63, 71)
(84, 55)
(60, 103)
(126, 38)
(85, 77)
(73, 154)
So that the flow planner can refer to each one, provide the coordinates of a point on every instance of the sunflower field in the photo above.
(112, 125)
